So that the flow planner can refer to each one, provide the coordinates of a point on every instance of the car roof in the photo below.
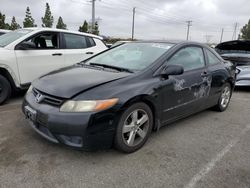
(5, 30)
(62, 30)
(173, 42)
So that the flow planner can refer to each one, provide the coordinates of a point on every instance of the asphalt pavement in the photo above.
(208, 150)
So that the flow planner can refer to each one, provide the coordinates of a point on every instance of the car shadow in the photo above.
(241, 88)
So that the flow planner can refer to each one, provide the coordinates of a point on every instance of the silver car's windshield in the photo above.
(131, 56)
(10, 37)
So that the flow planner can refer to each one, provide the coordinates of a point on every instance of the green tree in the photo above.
(60, 24)
(245, 31)
(84, 27)
(14, 25)
(28, 20)
(3, 25)
(96, 29)
(48, 19)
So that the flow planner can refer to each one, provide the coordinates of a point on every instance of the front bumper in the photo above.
(87, 131)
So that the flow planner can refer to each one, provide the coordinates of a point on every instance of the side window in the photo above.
(212, 59)
(45, 41)
(91, 42)
(190, 58)
(73, 41)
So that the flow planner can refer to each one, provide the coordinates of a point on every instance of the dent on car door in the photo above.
(185, 94)
(42, 55)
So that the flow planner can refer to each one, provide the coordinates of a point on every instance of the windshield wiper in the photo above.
(112, 67)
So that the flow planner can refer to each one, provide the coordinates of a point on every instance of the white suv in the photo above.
(28, 53)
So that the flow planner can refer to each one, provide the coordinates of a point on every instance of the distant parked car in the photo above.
(119, 96)
(3, 31)
(238, 52)
(28, 53)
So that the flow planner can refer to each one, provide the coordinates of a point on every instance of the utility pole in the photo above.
(235, 30)
(189, 23)
(221, 37)
(93, 16)
(133, 24)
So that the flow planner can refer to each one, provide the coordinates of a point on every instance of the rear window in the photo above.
(91, 42)
(73, 41)
(212, 59)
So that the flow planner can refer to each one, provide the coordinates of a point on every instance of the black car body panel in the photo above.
(238, 52)
(73, 82)
(169, 98)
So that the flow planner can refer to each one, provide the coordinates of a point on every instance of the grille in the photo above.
(47, 99)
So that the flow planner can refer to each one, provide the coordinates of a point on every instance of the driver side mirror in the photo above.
(26, 46)
(172, 70)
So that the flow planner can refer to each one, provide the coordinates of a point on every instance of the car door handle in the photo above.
(89, 52)
(57, 54)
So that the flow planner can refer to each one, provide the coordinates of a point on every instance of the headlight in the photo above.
(30, 89)
(88, 105)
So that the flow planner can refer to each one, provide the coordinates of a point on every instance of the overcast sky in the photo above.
(158, 19)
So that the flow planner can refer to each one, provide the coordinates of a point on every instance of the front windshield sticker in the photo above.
(163, 46)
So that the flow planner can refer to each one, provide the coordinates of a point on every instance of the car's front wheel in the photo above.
(225, 97)
(5, 89)
(134, 128)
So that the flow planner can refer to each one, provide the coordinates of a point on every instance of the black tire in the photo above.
(5, 89)
(219, 106)
(140, 130)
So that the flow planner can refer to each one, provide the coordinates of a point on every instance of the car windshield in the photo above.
(10, 37)
(131, 56)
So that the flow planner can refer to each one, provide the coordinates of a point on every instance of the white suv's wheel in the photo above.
(5, 89)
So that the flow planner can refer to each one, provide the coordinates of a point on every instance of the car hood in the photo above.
(68, 82)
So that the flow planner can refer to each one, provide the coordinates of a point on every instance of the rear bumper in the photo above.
(87, 131)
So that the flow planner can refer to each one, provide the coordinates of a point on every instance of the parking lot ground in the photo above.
(209, 149)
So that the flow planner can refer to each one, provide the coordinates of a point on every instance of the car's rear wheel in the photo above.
(134, 128)
(225, 97)
(5, 89)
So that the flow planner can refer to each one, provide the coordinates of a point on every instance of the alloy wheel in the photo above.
(225, 97)
(135, 127)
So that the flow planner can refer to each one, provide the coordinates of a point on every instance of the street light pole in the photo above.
(133, 24)
(189, 23)
(93, 16)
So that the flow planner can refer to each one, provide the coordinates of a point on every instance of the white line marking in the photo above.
(209, 166)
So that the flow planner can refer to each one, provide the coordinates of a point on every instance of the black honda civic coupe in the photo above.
(118, 97)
